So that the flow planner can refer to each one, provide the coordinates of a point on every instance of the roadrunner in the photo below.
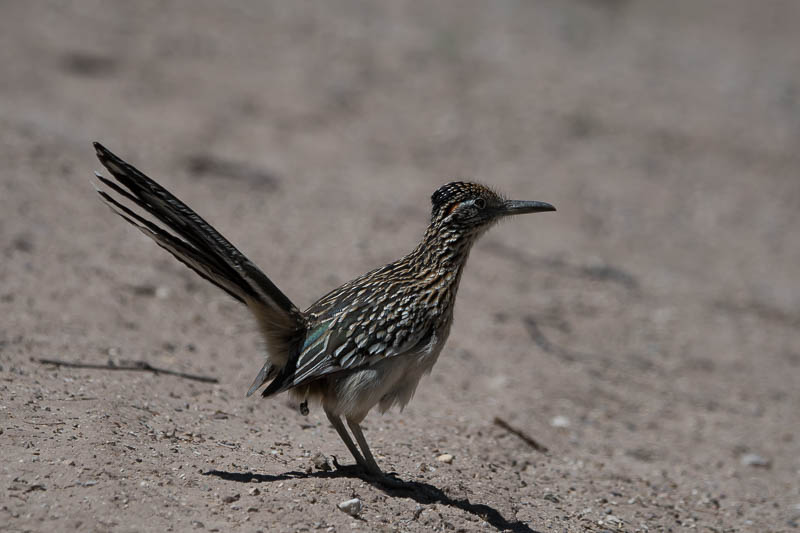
(364, 344)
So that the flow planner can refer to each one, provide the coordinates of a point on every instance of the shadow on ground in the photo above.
(422, 493)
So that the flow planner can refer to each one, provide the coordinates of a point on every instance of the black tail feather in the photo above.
(191, 257)
(195, 243)
(197, 233)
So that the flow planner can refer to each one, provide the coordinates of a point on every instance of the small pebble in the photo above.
(321, 462)
(613, 521)
(162, 293)
(417, 511)
(445, 458)
(560, 422)
(254, 491)
(351, 507)
(231, 499)
(549, 496)
(753, 459)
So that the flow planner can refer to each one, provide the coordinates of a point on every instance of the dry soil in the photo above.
(646, 334)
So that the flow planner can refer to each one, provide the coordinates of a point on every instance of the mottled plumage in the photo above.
(365, 343)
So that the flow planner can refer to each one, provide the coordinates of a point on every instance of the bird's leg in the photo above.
(370, 465)
(337, 424)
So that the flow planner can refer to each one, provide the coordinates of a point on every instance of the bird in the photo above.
(365, 344)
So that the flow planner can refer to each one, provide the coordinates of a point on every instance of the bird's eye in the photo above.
(480, 203)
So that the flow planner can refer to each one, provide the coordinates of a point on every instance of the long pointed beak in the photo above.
(519, 207)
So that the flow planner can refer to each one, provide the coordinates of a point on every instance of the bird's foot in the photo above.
(343, 468)
(388, 479)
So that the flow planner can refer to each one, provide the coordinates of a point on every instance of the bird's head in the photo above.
(471, 208)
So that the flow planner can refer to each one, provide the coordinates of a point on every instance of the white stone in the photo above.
(351, 507)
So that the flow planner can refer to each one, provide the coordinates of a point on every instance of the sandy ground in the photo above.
(646, 334)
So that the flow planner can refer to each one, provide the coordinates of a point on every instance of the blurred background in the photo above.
(647, 332)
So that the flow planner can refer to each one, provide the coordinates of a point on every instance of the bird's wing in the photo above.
(193, 241)
(359, 333)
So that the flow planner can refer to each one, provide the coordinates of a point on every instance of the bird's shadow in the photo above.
(422, 493)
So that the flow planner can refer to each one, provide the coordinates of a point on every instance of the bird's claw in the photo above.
(336, 464)
(387, 479)
(344, 468)
(391, 480)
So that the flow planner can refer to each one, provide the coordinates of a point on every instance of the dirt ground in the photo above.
(646, 334)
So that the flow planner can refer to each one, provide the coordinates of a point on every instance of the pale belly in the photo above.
(389, 382)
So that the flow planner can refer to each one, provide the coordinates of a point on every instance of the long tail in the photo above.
(195, 243)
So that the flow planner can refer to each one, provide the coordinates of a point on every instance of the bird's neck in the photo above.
(443, 249)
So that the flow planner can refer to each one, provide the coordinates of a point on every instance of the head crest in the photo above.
(454, 192)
